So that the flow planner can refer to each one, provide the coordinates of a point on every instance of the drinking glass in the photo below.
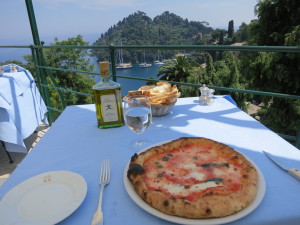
(138, 116)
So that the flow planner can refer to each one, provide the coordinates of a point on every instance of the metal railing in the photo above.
(42, 70)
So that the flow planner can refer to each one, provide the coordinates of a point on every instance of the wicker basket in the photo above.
(161, 110)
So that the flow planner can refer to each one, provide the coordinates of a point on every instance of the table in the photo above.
(74, 143)
(22, 108)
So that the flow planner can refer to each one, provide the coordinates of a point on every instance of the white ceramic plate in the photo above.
(44, 199)
(140, 202)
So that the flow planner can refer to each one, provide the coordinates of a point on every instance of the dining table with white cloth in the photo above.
(22, 108)
(75, 143)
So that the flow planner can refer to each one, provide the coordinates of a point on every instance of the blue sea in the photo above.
(126, 84)
(135, 71)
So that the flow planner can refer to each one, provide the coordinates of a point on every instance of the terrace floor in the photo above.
(6, 168)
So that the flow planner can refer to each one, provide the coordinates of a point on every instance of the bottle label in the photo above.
(109, 108)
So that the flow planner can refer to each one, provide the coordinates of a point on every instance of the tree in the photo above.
(277, 25)
(242, 34)
(218, 34)
(74, 59)
(230, 29)
(176, 70)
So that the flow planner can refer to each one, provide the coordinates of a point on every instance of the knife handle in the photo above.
(295, 173)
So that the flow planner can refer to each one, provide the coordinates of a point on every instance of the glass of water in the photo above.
(137, 115)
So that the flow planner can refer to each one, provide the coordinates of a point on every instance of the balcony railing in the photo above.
(43, 71)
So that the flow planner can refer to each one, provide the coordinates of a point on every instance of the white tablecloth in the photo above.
(74, 143)
(22, 108)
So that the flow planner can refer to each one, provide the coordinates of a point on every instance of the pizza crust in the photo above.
(211, 204)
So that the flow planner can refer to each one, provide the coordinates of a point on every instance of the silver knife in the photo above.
(294, 172)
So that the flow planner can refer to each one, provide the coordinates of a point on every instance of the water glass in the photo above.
(138, 117)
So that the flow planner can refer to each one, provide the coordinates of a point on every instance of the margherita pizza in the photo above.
(194, 178)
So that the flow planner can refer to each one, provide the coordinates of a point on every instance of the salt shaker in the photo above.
(206, 96)
(13, 68)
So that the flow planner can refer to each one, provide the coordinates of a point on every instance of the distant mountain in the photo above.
(139, 29)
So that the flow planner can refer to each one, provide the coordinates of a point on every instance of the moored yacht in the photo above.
(123, 66)
(158, 62)
(145, 65)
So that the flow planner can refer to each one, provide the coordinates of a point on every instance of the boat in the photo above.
(158, 62)
(144, 64)
(121, 64)
(124, 66)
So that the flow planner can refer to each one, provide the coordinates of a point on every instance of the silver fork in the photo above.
(104, 180)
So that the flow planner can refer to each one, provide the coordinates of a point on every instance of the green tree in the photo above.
(242, 34)
(210, 70)
(277, 25)
(176, 70)
(230, 29)
(74, 59)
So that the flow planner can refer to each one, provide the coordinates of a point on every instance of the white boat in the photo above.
(145, 65)
(121, 64)
(158, 62)
(124, 66)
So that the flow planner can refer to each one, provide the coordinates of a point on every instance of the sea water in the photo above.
(135, 71)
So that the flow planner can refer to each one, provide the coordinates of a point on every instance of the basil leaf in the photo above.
(224, 164)
(215, 179)
(206, 165)
(159, 175)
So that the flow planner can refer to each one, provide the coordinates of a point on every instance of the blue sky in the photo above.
(90, 18)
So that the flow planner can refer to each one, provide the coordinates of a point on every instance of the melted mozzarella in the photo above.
(220, 172)
(196, 175)
(188, 166)
(176, 189)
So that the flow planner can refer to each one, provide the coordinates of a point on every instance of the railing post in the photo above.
(113, 61)
(298, 139)
(38, 55)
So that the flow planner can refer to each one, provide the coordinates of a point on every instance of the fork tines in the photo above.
(105, 172)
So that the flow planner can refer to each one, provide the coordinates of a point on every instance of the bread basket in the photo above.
(161, 110)
(162, 96)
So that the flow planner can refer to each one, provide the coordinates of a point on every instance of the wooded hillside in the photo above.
(140, 29)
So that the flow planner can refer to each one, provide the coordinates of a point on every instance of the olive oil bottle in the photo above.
(108, 102)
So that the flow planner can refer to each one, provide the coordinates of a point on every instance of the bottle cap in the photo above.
(104, 68)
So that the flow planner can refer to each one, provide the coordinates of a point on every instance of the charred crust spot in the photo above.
(208, 211)
(145, 194)
(158, 190)
(166, 203)
(134, 157)
(235, 157)
(187, 203)
(187, 186)
(245, 176)
(135, 169)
